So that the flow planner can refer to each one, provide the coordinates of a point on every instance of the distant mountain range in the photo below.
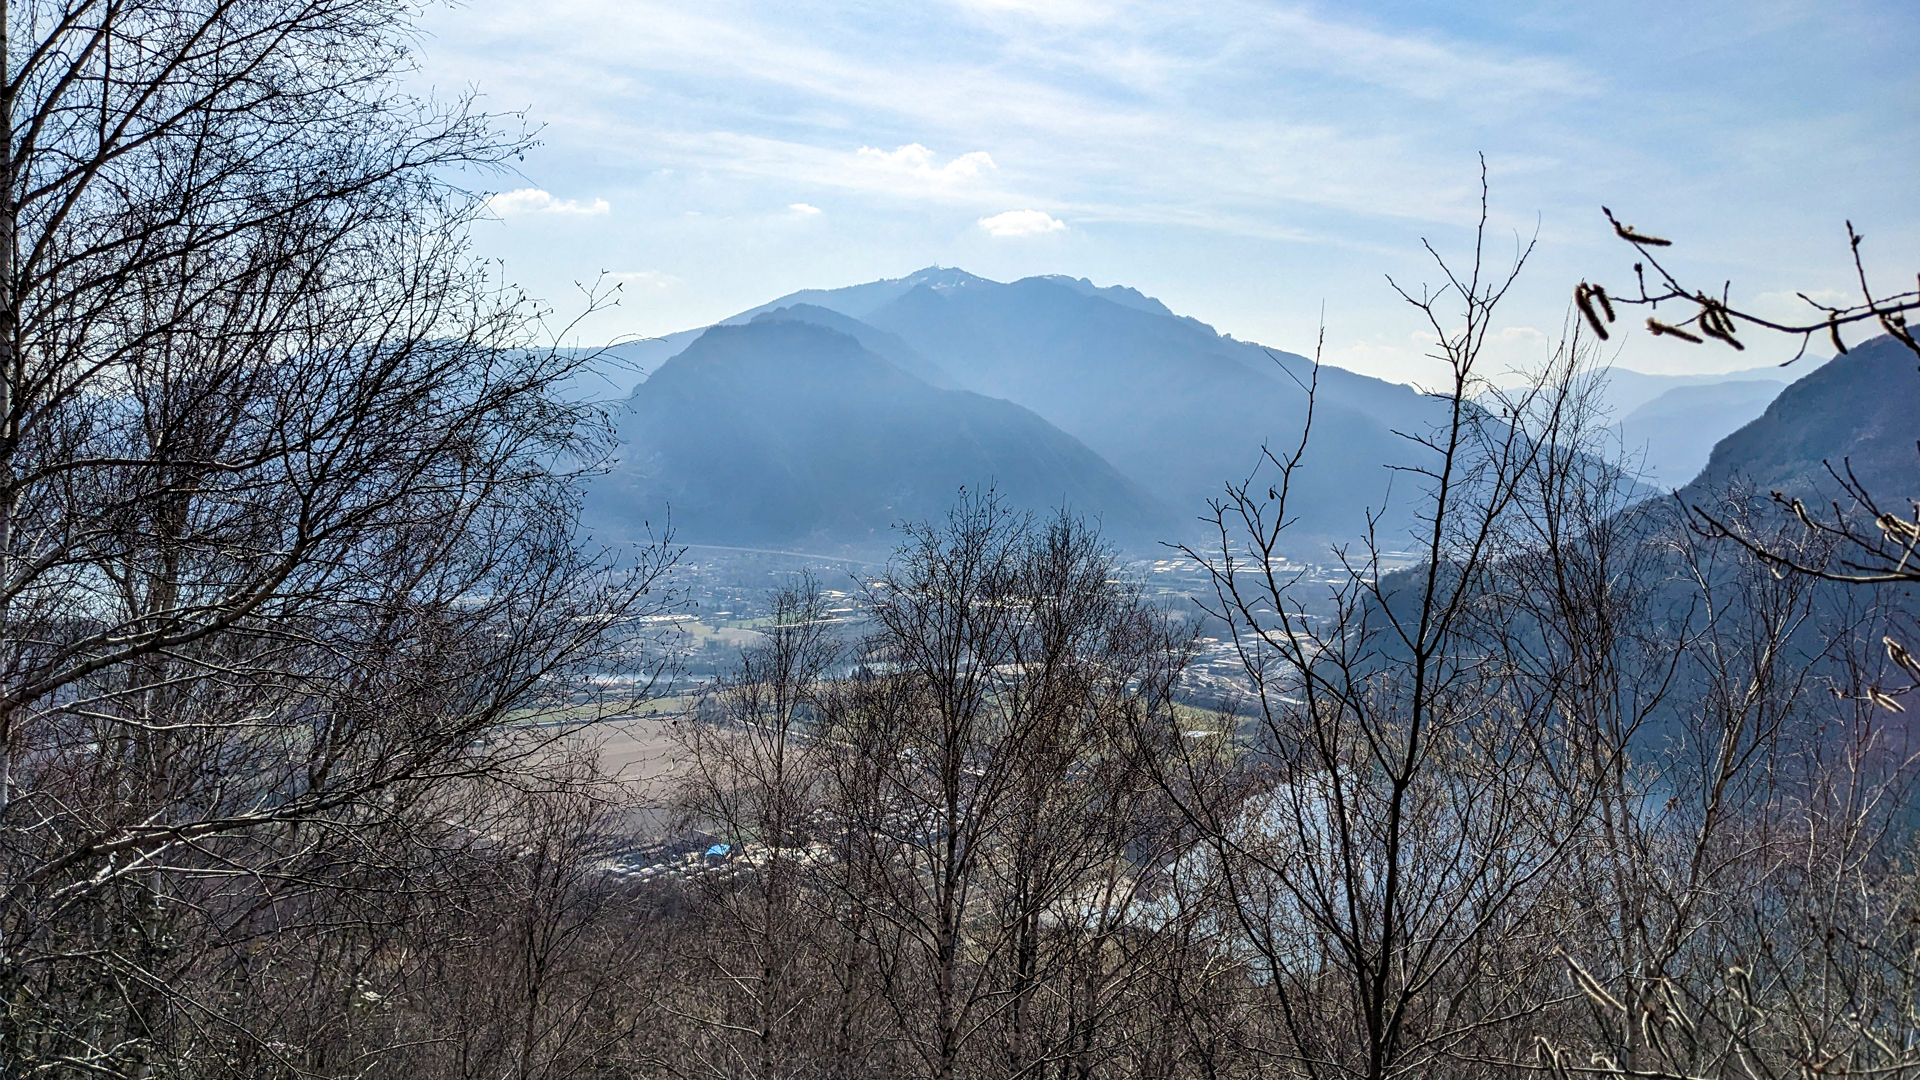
(824, 417)
(1626, 390)
(1667, 439)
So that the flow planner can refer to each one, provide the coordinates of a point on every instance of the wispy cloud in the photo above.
(1067, 12)
(1052, 98)
(1022, 223)
(1207, 140)
(1425, 65)
(646, 279)
(535, 201)
(1072, 115)
(804, 209)
(911, 172)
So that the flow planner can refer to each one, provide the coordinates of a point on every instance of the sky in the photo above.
(1265, 167)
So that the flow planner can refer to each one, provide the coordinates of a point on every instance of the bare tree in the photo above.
(283, 536)
(1711, 316)
(1789, 802)
(1386, 828)
(535, 980)
(757, 776)
(989, 796)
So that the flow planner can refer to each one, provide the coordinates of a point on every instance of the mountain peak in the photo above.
(945, 277)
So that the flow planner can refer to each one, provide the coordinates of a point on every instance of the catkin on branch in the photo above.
(1582, 299)
(1659, 328)
(1627, 233)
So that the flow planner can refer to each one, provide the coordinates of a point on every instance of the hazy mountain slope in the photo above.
(1168, 401)
(1863, 407)
(1672, 435)
(782, 431)
(887, 346)
(1859, 410)
(615, 370)
(1172, 405)
(1624, 390)
(608, 373)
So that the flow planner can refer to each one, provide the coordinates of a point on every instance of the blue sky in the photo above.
(1246, 162)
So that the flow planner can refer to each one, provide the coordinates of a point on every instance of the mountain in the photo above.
(783, 431)
(1118, 294)
(612, 371)
(1862, 409)
(882, 344)
(1169, 401)
(1625, 390)
(608, 373)
(1160, 409)
(1180, 408)
(858, 301)
(1858, 411)
(1670, 437)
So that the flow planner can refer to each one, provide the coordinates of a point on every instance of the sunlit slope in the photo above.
(1858, 411)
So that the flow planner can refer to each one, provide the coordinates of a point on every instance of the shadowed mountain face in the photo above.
(785, 432)
(1859, 411)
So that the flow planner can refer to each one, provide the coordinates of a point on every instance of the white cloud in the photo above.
(916, 161)
(902, 173)
(535, 201)
(650, 279)
(804, 209)
(1054, 98)
(1022, 223)
(1079, 12)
